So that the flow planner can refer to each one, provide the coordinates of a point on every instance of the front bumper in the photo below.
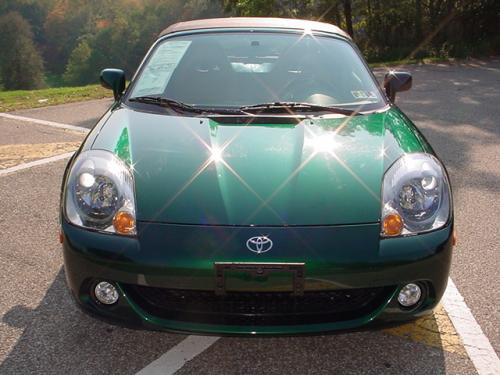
(176, 263)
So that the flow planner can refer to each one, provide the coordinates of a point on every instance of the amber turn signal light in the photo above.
(124, 223)
(392, 225)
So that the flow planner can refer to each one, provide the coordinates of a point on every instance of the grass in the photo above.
(14, 100)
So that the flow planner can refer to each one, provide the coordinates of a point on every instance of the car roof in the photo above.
(254, 22)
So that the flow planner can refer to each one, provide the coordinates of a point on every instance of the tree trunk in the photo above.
(336, 13)
(418, 21)
(369, 18)
(348, 17)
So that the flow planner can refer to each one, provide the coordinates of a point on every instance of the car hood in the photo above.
(321, 171)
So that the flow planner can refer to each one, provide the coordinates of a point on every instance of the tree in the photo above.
(78, 69)
(267, 8)
(65, 23)
(348, 17)
(21, 66)
(77, 38)
(418, 21)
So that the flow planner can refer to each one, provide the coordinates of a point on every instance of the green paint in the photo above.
(122, 148)
(180, 256)
(324, 171)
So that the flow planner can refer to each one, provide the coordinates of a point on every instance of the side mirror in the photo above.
(113, 79)
(395, 82)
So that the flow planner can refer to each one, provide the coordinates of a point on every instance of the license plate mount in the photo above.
(297, 271)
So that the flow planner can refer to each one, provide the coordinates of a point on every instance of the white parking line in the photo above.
(477, 345)
(176, 357)
(44, 122)
(35, 163)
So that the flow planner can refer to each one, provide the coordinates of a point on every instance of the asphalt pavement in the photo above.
(84, 114)
(41, 331)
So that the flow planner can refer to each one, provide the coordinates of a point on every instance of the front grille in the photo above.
(258, 308)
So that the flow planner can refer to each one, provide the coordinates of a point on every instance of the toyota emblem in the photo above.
(259, 244)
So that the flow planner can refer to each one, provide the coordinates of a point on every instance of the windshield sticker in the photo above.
(240, 67)
(361, 94)
(159, 69)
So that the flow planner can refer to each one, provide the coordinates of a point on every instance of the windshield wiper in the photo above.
(166, 102)
(296, 107)
(176, 105)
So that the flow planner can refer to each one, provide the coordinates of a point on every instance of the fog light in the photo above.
(409, 295)
(106, 293)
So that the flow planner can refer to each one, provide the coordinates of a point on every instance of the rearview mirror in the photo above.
(113, 79)
(395, 82)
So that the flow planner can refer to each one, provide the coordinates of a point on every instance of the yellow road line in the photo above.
(435, 330)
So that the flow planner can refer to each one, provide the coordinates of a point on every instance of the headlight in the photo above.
(415, 196)
(100, 193)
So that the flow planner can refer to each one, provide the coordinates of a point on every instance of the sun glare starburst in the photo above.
(216, 154)
(324, 143)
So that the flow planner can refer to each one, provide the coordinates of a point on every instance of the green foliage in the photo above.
(78, 38)
(396, 29)
(309, 9)
(21, 65)
(254, 8)
(121, 35)
(78, 68)
(33, 11)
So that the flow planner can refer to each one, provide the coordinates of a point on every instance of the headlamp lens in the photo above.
(100, 191)
(415, 188)
(98, 201)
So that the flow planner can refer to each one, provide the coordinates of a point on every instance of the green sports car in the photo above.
(254, 179)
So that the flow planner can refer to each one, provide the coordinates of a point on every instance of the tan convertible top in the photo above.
(254, 22)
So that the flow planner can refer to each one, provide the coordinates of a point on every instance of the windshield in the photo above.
(240, 69)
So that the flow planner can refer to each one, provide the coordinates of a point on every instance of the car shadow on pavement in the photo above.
(60, 339)
(365, 352)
